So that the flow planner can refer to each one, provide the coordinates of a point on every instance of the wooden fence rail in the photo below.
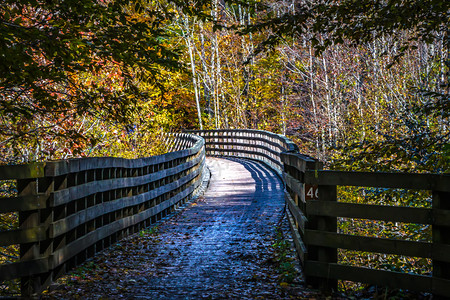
(259, 145)
(69, 210)
(316, 222)
(313, 211)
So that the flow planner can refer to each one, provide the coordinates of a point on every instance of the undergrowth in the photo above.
(283, 258)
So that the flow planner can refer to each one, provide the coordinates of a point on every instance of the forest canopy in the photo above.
(392, 31)
(357, 84)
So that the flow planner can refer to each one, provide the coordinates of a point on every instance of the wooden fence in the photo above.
(258, 145)
(313, 211)
(69, 210)
(312, 199)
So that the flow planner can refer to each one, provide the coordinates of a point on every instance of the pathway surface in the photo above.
(218, 248)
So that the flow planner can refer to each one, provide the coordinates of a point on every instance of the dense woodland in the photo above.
(358, 84)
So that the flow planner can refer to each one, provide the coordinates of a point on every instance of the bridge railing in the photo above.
(314, 211)
(259, 145)
(69, 210)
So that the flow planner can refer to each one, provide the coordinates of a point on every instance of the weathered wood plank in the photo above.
(20, 236)
(380, 179)
(244, 142)
(372, 212)
(240, 153)
(66, 195)
(64, 167)
(23, 203)
(300, 247)
(24, 268)
(62, 226)
(234, 145)
(31, 170)
(360, 274)
(300, 162)
(287, 143)
(369, 244)
(295, 185)
(296, 212)
(244, 148)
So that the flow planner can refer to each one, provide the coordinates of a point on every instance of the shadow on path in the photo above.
(218, 248)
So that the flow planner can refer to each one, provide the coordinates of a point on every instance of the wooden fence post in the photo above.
(327, 224)
(29, 251)
(325, 255)
(441, 238)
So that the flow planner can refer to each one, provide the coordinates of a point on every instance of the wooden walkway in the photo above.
(218, 248)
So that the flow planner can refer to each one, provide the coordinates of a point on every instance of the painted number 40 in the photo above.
(312, 192)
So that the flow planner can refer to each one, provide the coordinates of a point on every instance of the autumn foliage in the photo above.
(360, 85)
